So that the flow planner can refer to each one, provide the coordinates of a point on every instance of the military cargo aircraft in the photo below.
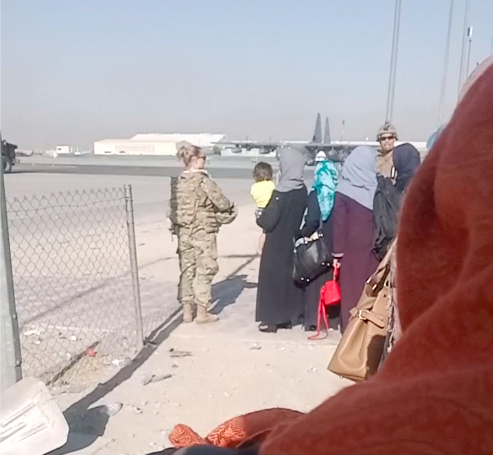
(335, 150)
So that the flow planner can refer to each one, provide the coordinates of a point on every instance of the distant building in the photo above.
(66, 150)
(153, 144)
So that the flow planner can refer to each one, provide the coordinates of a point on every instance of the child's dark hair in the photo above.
(262, 172)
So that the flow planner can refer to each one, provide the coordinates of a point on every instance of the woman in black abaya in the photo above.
(279, 298)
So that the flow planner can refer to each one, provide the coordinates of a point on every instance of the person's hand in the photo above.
(336, 263)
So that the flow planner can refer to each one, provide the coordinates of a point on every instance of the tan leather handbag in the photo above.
(360, 350)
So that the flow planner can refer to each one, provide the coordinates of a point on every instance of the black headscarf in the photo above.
(406, 162)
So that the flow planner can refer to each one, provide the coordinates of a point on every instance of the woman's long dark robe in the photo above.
(312, 290)
(353, 226)
(279, 299)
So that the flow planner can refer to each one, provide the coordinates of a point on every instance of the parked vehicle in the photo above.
(9, 158)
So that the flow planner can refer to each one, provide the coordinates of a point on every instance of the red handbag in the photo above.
(330, 294)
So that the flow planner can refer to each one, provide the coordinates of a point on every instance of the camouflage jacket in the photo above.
(197, 202)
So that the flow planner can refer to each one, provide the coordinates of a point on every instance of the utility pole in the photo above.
(445, 64)
(10, 355)
(393, 62)
(469, 46)
(463, 51)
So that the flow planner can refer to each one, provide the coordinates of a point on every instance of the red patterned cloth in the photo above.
(237, 432)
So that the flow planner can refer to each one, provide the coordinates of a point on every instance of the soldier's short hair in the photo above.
(187, 151)
(262, 172)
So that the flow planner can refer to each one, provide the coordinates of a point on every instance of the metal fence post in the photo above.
(10, 355)
(134, 268)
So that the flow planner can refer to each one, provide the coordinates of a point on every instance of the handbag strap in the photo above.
(377, 280)
(384, 263)
(388, 255)
(320, 226)
(367, 315)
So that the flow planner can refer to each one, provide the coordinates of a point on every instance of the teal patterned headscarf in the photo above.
(325, 185)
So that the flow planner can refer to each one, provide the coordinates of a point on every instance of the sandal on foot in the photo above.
(268, 328)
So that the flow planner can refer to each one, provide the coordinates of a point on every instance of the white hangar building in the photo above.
(153, 144)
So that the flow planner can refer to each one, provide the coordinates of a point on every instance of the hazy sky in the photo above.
(76, 71)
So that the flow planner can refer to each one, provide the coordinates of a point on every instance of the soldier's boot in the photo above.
(204, 317)
(187, 313)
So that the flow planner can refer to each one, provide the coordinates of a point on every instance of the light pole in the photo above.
(445, 64)
(469, 46)
(462, 54)
(393, 62)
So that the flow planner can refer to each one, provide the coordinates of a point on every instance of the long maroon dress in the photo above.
(353, 226)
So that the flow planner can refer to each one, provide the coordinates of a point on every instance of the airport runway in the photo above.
(149, 171)
(147, 161)
(219, 167)
(149, 177)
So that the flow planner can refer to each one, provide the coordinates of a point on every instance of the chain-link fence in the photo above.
(76, 282)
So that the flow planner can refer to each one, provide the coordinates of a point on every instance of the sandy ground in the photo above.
(228, 368)
(71, 267)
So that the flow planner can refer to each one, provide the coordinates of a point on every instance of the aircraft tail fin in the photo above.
(327, 131)
(317, 135)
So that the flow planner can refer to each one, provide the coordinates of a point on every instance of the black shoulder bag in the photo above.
(311, 257)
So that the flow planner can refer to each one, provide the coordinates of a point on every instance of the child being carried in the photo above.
(261, 192)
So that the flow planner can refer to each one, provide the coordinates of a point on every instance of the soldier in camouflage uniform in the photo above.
(198, 208)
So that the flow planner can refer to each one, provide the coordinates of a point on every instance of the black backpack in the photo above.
(386, 205)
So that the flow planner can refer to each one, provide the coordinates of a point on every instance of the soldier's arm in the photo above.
(172, 207)
(216, 196)
(171, 210)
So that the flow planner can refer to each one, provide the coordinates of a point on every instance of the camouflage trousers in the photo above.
(197, 254)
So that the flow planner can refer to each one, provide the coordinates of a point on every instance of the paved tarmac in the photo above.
(219, 167)
(150, 192)
(149, 171)
(148, 176)
(148, 161)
